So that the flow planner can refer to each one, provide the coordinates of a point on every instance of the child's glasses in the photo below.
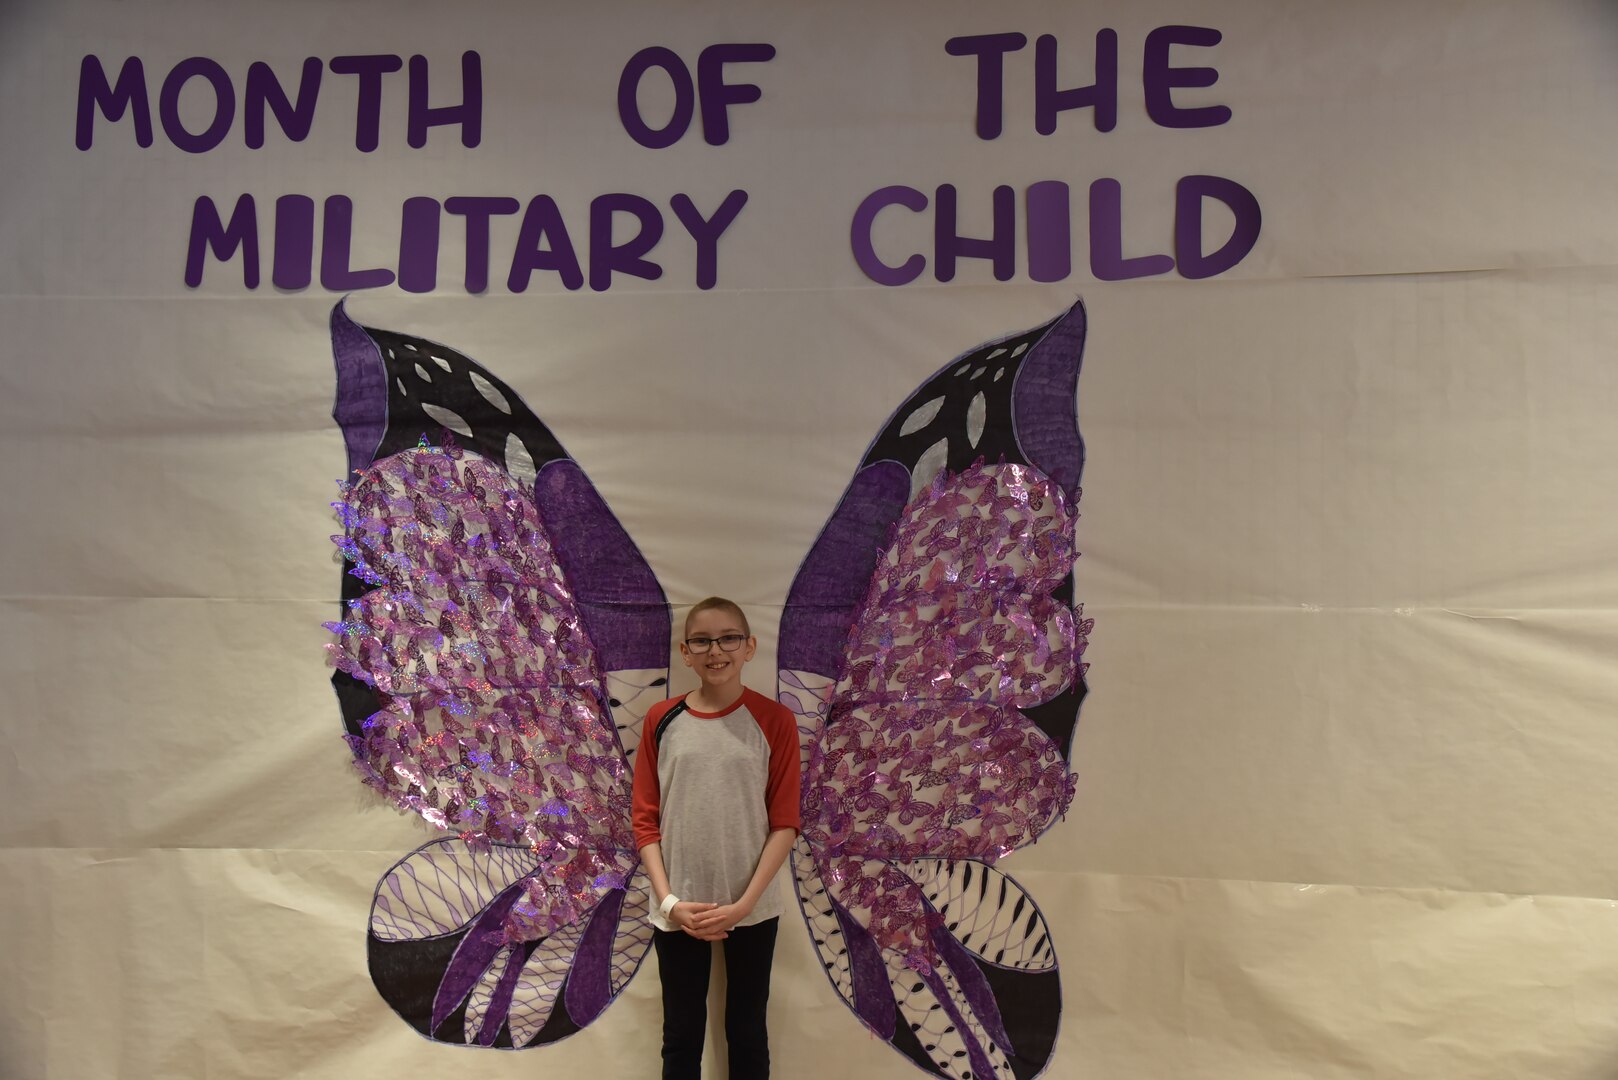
(727, 642)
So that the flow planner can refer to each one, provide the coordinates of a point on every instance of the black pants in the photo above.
(684, 962)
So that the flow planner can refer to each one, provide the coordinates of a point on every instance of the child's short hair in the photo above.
(718, 603)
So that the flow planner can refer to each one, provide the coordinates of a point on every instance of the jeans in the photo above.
(684, 962)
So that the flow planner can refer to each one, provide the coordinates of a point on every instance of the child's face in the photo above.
(716, 667)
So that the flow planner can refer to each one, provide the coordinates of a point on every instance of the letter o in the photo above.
(685, 97)
(168, 104)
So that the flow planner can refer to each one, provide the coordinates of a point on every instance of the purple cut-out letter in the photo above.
(1159, 79)
(1107, 260)
(543, 222)
(1188, 196)
(607, 257)
(716, 94)
(990, 49)
(859, 235)
(128, 94)
(1101, 95)
(224, 104)
(207, 231)
(336, 242)
(685, 97)
(1049, 230)
(368, 110)
(294, 263)
(419, 222)
(468, 114)
(949, 245)
(477, 209)
(264, 92)
(707, 231)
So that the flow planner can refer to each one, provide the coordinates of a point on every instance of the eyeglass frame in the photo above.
(739, 639)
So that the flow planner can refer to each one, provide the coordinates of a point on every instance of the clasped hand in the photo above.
(707, 922)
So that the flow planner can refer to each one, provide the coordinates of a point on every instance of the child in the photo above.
(715, 813)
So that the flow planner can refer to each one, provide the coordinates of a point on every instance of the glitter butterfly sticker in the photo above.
(502, 637)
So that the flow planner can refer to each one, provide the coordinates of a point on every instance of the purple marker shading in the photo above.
(361, 406)
(831, 583)
(873, 993)
(500, 1001)
(1044, 405)
(475, 953)
(618, 596)
(589, 983)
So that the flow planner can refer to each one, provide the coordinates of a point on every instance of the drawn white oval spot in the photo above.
(421, 373)
(402, 390)
(441, 362)
(921, 417)
(519, 462)
(975, 414)
(928, 466)
(448, 419)
(490, 392)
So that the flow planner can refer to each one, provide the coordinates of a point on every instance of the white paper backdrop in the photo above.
(1345, 803)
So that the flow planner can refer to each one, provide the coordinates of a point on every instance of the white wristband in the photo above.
(667, 905)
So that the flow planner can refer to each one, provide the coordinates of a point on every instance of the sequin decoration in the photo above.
(494, 726)
(924, 751)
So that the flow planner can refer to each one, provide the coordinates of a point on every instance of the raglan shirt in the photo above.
(710, 794)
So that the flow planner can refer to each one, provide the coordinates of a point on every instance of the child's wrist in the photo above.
(666, 908)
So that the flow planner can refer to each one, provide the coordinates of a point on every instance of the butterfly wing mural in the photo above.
(931, 652)
(502, 638)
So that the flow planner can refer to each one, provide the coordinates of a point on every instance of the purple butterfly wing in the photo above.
(931, 653)
(501, 640)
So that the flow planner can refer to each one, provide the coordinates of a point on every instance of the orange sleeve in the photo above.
(781, 792)
(646, 802)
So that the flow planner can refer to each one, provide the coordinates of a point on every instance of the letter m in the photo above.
(128, 94)
(208, 231)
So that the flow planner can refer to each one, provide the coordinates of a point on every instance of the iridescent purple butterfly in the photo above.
(502, 638)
